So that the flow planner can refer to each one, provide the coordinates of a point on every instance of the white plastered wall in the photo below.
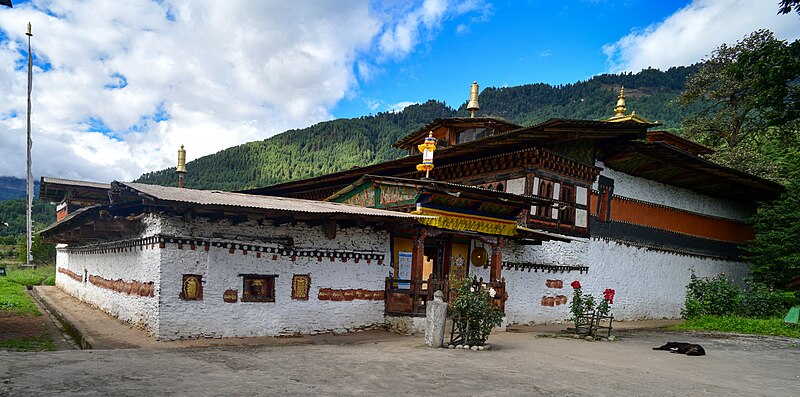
(212, 317)
(649, 284)
(136, 265)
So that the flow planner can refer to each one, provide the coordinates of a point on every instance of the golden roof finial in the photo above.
(181, 160)
(619, 110)
(472, 105)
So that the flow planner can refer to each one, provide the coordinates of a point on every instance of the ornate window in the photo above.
(192, 287)
(300, 286)
(546, 191)
(258, 288)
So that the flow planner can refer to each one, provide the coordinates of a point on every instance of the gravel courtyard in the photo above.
(380, 363)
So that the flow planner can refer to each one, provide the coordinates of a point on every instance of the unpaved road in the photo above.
(382, 364)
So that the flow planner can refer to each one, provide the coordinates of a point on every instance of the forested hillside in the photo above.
(14, 188)
(345, 143)
(13, 213)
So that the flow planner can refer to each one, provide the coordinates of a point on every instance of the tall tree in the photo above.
(786, 6)
(746, 88)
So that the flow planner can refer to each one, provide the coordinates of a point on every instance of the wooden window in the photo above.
(545, 191)
(258, 288)
(192, 287)
(300, 286)
(566, 213)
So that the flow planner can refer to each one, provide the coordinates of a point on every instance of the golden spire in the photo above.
(619, 110)
(472, 106)
(181, 160)
(181, 168)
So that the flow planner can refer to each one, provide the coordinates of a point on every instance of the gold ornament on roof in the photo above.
(181, 160)
(427, 148)
(619, 110)
(472, 105)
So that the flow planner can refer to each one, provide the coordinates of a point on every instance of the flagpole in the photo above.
(29, 179)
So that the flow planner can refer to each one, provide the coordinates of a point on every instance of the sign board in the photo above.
(230, 296)
(404, 268)
(2, 271)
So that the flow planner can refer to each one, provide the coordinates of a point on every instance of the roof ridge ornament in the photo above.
(472, 105)
(619, 110)
(181, 168)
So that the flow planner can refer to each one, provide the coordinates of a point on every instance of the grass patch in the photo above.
(14, 299)
(30, 276)
(741, 325)
(31, 343)
(13, 295)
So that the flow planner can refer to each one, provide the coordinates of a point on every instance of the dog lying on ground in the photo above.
(689, 349)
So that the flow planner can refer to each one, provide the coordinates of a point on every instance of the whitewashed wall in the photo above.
(656, 192)
(212, 317)
(137, 265)
(649, 284)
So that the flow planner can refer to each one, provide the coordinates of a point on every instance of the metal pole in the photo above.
(29, 185)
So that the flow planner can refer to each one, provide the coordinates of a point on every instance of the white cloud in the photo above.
(694, 31)
(151, 75)
(402, 36)
(399, 106)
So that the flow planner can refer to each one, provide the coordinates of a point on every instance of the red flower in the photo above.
(576, 284)
(608, 295)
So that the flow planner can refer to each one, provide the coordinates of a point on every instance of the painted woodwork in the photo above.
(397, 194)
(672, 219)
(365, 197)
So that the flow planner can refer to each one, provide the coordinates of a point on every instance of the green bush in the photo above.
(716, 296)
(719, 296)
(472, 310)
(759, 301)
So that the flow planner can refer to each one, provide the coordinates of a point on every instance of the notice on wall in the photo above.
(404, 268)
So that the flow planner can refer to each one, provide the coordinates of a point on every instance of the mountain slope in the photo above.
(340, 144)
(14, 188)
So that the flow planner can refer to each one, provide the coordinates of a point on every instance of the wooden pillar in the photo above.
(497, 261)
(418, 255)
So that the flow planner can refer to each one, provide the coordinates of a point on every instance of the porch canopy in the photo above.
(448, 212)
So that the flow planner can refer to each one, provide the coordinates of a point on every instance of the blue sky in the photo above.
(119, 85)
(518, 42)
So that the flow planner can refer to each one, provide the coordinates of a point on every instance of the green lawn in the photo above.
(15, 300)
(773, 326)
(40, 343)
(13, 296)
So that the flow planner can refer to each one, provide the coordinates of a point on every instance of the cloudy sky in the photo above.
(119, 85)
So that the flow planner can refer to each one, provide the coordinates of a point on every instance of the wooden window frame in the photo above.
(566, 215)
(267, 287)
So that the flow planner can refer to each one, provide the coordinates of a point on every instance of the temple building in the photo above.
(524, 211)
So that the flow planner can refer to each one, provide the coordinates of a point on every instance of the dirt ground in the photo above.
(17, 327)
(380, 363)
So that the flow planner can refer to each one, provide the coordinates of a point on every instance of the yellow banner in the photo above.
(476, 223)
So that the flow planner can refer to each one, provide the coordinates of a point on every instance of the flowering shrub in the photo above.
(585, 303)
(472, 310)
